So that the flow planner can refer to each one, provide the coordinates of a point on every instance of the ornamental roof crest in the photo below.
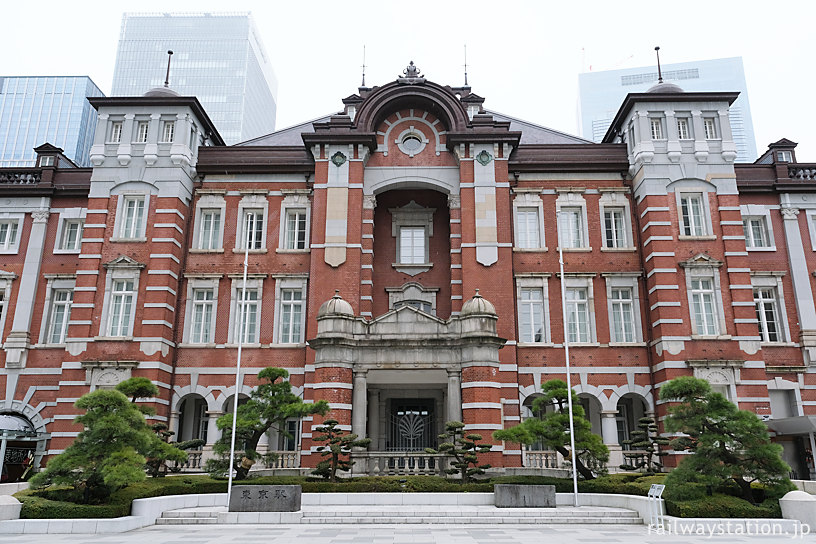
(411, 75)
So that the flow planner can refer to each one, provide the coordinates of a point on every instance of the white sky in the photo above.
(524, 57)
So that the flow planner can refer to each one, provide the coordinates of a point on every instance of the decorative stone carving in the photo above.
(107, 374)
(369, 202)
(454, 202)
(789, 213)
(40, 216)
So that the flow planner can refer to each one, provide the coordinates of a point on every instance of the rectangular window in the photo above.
(767, 314)
(577, 315)
(703, 306)
(571, 226)
(291, 309)
(71, 234)
(8, 233)
(253, 229)
(692, 212)
(784, 156)
(682, 128)
(656, 126)
(527, 236)
(210, 230)
(531, 319)
(203, 307)
(614, 228)
(47, 160)
(132, 224)
(60, 314)
(141, 131)
(623, 322)
(710, 127)
(756, 231)
(168, 131)
(121, 309)
(412, 245)
(248, 315)
(296, 229)
(116, 132)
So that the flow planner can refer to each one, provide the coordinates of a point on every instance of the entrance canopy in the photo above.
(792, 425)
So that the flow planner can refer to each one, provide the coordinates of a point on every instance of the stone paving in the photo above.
(393, 534)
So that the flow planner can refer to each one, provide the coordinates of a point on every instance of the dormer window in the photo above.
(47, 160)
(784, 156)
(351, 111)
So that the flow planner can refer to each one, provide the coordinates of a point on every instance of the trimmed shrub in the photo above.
(722, 506)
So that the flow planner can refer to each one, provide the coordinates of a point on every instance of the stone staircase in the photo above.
(407, 514)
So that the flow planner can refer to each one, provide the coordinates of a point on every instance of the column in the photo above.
(18, 341)
(805, 308)
(700, 143)
(454, 396)
(212, 429)
(609, 427)
(173, 423)
(358, 404)
(455, 214)
(374, 419)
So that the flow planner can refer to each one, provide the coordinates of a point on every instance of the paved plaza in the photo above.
(393, 534)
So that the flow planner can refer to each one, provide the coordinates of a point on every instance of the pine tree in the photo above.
(269, 405)
(464, 449)
(726, 443)
(647, 441)
(552, 429)
(337, 449)
(106, 454)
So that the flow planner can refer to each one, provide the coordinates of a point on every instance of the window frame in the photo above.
(256, 201)
(120, 223)
(168, 126)
(17, 220)
(657, 121)
(294, 201)
(530, 202)
(572, 199)
(254, 283)
(142, 136)
(773, 281)
(582, 282)
(208, 202)
(116, 131)
(705, 219)
(711, 121)
(121, 269)
(624, 280)
(687, 125)
(68, 216)
(412, 215)
(750, 242)
(6, 279)
(539, 282)
(701, 267)
(615, 198)
(200, 282)
(283, 284)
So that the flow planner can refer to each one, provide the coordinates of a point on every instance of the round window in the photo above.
(411, 143)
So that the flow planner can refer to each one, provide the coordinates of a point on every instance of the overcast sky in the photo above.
(524, 57)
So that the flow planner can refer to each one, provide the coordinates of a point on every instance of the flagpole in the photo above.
(567, 357)
(238, 362)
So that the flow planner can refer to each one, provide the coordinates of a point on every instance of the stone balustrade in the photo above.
(30, 176)
(386, 463)
(804, 172)
(541, 459)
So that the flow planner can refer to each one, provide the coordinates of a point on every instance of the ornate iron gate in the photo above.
(411, 425)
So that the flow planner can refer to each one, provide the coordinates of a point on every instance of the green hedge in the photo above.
(52, 503)
(722, 506)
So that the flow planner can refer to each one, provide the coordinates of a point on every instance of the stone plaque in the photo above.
(524, 496)
(265, 498)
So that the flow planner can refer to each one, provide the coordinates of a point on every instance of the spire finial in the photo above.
(167, 77)
(659, 73)
(364, 67)
(466, 83)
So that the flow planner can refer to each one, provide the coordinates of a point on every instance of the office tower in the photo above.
(601, 94)
(39, 109)
(218, 58)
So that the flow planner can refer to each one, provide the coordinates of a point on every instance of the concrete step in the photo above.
(190, 513)
(526, 520)
(186, 521)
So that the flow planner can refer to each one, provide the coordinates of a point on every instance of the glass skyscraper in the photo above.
(601, 94)
(218, 58)
(50, 109)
